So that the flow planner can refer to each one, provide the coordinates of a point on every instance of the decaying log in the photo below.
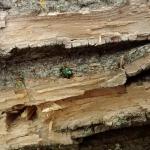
(75, 29)
(40, 107)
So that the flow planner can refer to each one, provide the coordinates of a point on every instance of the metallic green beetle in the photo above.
(66, 72)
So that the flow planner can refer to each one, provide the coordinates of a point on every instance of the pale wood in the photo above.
(77, 29)
(57, 112)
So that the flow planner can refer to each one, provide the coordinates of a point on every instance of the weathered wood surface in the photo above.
(70, 109)
(59, 111)
(63, 121)
(40, 91)
(129, 22)
(45, 90)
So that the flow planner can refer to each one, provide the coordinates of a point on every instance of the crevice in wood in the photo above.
(121, 138)
(27, 54)
(20, 111)
(144, 76)
(46, 61)
(13, 113)
(31, 112)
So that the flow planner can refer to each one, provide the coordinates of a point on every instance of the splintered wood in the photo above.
(75, 29)
(79, 117)
(45, 111)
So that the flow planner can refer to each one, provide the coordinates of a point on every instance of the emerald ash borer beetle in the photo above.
(66, 72)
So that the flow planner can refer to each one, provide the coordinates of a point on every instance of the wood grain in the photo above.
(76, 29)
